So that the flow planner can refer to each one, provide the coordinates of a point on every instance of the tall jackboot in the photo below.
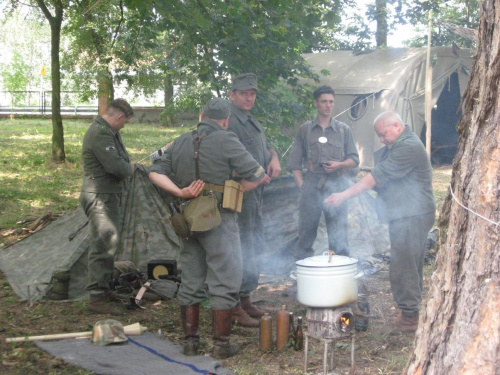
(221, 321)
(190, 323)
(250, 308)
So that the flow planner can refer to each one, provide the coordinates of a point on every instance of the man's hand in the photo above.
(193, 190)
(274, 167)
(332, 166)
(249, 185)
(335, 199)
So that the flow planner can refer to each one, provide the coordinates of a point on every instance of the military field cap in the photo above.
(107, 332)
(246, 81)
(217, 108)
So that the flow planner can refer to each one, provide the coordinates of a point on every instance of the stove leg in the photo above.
(325, 357)
(331, 357)
(306, 349)
(352, 355)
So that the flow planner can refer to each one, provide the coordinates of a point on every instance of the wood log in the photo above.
(131, 330)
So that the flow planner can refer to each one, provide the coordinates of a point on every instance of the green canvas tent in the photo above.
(146, 235)
(367, 84)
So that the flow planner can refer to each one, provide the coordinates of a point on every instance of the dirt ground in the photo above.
(377, 350)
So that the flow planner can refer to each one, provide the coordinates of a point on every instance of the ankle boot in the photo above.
(99, 305)
(221, 322)
(250, 308)
(190, 323)
(240, 317)
(405, 323)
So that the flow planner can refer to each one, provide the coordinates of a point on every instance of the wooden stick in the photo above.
(132, 330)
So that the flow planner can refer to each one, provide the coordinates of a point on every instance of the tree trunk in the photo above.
(460, 327)
(381, 18)
(58, 154)
(106, 91)
(168, 97)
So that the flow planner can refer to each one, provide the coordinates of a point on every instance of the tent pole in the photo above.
(428, 90)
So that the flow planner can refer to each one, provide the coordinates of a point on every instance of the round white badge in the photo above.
(322, 140)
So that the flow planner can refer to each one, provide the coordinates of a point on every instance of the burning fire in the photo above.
(344, 323)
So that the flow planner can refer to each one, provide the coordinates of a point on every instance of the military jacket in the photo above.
(403, 174)
(309, 151)
(106, 163)
(251, 133)
(220, 153)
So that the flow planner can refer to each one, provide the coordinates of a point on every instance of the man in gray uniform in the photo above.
(214, 256)
(402, 176)
(106, 168)
(251, 133)
(326, 147)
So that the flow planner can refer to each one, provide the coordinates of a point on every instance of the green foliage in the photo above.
(16, 77)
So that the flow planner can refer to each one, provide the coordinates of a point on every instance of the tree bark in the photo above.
(168, 96)
(106, 90)
(381, 18)
(459, 330)
(55, 21)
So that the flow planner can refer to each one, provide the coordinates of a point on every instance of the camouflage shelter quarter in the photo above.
(394, 79)
(146, 235)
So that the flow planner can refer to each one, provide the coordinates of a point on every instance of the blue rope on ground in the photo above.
(192, 367)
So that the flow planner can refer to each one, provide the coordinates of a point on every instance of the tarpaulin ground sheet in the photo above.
(145, 354)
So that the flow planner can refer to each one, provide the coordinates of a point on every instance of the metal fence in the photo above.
(40, 102)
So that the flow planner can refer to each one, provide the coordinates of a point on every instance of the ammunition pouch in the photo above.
(233, 196)
(202, 213)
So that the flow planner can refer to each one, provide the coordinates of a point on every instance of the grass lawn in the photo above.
(32, 186)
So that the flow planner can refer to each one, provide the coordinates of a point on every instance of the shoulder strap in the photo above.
(197, 140)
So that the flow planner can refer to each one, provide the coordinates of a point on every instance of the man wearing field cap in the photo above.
(212, 256)
(251, 133)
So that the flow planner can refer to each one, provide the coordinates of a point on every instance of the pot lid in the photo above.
(326, 260)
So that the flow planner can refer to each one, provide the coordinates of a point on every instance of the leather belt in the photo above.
(214, 187)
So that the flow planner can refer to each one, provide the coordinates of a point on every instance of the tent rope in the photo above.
(468, 209)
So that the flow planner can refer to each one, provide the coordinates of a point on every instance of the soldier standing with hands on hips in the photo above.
(251, 133)
(402, 177)
(326, 146)
(213, 256)
(106, 169)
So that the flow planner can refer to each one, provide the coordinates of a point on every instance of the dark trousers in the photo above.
(310, 208)
(251, 227)
(408, 240)
(104, 213)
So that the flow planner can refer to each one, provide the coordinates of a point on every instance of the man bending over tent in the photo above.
(106, 168)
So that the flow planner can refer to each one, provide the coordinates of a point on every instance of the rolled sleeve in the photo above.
(297, 153)
(163, 165)
(351, 152)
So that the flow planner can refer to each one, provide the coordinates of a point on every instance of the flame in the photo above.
(344, 321)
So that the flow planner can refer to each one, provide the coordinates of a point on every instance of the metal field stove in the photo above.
(327, 284)
(329, 325)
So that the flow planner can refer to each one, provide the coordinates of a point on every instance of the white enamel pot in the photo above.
(327, 280)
